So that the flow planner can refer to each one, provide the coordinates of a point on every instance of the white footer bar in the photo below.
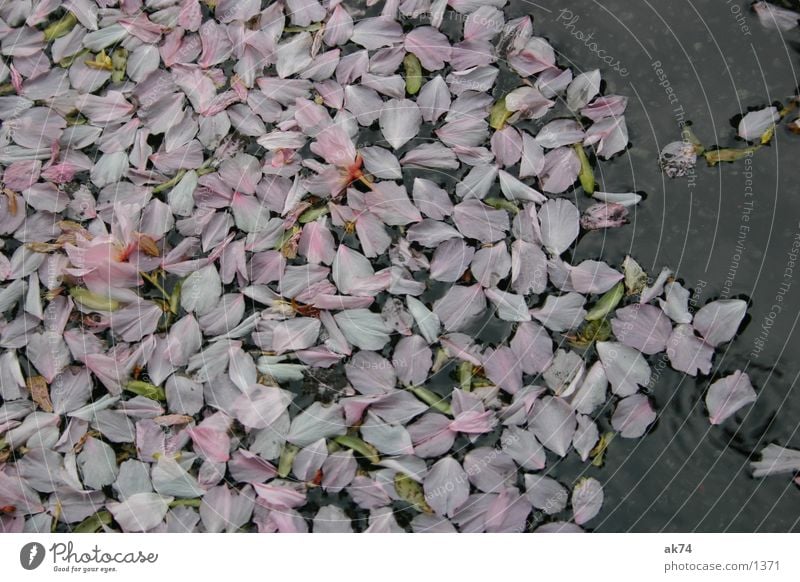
(407, 557)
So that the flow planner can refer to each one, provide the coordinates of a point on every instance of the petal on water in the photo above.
(644, 327)
(430, 46)
(546, 493)
(676, 304)
(451, 259)
(140, 512)
(533, 347)
(562, 312)
(316, 422)
(434, 99)
(775, 17)
(776, 460)
(446, 486)
(460, 306)
(559, 223)
(586, 436)
(522, 446)
(625, 367)
(370, 373)
(592, 392)
(560, 170)
(515, 190)
(587, 499)
(363, 328)
(553, 422)
(727, 395)
(427, 321)
(633, 415)
(583, 89)
(388, 439)
(754, 124)
(687, 352)
(489, 470)
(593, 277)
(374, 33)
(400, 121)
(719, 321)
(412, 360)
(474, 219)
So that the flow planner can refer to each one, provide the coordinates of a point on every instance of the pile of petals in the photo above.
(296, 266)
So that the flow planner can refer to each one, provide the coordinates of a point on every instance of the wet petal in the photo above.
(560, 170)
(560, 313)
(446, 486)
(430, 46)
(719, 321)
(687, 352)
(553, 422)
(363, 329)
(754, 124)
(460, 306)
(400, 121)
(475, 219)
(559, 223)
(546, 493)
(587, 499)
(644, 327)
(140, 512)
(625, 367)
(632, 416)
(727, 395)
(776, 460)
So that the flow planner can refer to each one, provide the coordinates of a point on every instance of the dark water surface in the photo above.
(727, 231)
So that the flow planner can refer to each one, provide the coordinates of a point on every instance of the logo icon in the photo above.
(31, 555)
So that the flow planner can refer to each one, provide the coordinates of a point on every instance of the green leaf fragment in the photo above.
(169, 183)
(586, 175)
(465, 376)
(356, 444)
(432, 399)
(688, 135)
(440, 360)
(95, 301)
(66, 62)
(635, 277)
(598, 330)
(598, 452)
(60, 27)
(310, 28)
(714, 157)
(766, 137)
(288, 454)
(94, 522)
(175, 298)
(146, 389)
(607, 303)
(502, 204)
(411, 492)
(119, 63)
(413, 70)
(286, 237)
(313, 214)
(190, 502)
(499, 114)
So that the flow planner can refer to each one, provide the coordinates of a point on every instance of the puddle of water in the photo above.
(727, 231)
